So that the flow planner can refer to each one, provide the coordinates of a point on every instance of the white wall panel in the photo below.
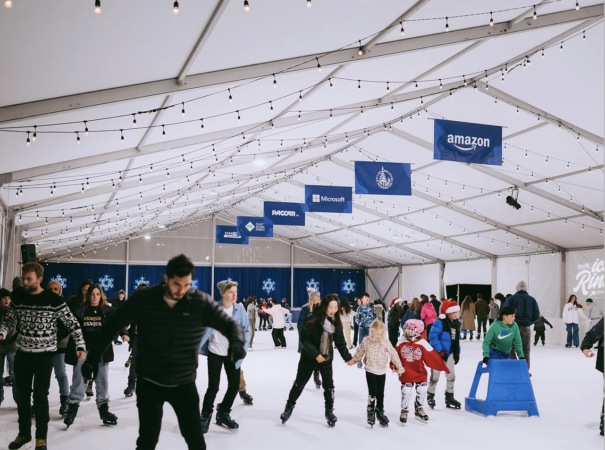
(544, 283)
(510, 271)
(422, 279)
(382, 278)
(468, 272)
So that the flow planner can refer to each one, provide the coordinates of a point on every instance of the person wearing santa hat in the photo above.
(394, 320)
(445, 339)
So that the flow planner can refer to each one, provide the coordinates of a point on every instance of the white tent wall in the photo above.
(420, 279)
(468, 272)
(382, 278)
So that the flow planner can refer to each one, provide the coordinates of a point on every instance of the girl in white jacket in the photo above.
(570, 317)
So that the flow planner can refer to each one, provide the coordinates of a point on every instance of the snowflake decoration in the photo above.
(140, 281)
(268, 286)
(312, 284)
(229, 279)
(106, 283)
(62, 281)
(348, 286)
(194, 284)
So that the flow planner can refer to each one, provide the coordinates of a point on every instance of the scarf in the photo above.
(453, 328)
(325, 342)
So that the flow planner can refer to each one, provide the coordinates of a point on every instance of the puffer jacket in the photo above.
(428, 314)
(570, 313)
(441, 337)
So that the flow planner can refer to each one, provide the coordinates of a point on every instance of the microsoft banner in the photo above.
(468, 142)
(284, 213)
(331, 199)
(228, 235)
(383, 178)
(254, 226)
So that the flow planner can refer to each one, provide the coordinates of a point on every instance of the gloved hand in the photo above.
(236, 351)
(456, 360)
(522, 357)
(89, 371)
(485, 360)
(443, 355)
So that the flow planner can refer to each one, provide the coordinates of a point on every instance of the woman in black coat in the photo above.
(320, 333)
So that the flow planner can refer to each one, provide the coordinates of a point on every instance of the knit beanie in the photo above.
(589, 300)
(4, 293)
(448, 307)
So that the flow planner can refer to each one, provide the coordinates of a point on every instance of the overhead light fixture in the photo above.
(97, 6)
(147, 237)
(512, 199)
(8, 3)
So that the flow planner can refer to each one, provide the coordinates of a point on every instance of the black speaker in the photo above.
(28, 253)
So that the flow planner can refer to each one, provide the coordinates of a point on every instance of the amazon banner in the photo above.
(228, 235)
(468, 142)
(254, 226)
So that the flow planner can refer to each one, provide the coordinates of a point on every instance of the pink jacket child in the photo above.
(428, 314)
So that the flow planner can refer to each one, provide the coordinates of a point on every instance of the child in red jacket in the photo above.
(414, 353)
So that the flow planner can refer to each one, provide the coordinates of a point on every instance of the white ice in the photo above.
(567, 387)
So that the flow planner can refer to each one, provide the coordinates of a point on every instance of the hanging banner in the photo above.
(383, 178)
(284, 213)
(468, 142)
(331, 199)
(228, 235)
(254, 226)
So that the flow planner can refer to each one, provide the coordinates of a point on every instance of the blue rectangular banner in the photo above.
(331, 199)
(254, 226)
(382, 178)
(228, 235)
(468, 142)
(284, 213)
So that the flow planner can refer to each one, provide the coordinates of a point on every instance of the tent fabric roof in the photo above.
(140, 61)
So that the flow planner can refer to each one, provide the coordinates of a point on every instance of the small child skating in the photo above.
(540, 328)
(414, 353)
(502, 336)
(375, 351)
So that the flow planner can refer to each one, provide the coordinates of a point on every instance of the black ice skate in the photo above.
(89, 392)
(129, 391)
(419, 412)
(107, 417)
(403, 417)
(206, 417)
(63, 407)
(246, 398)
(330, 417)
(20, 442)
(224, 420)
(451, 402)
(430, 399)
(70, 415)
(1, 397)
(8, 381)
(382, 419)
(317, 379)
(371, 411)
(287, 412)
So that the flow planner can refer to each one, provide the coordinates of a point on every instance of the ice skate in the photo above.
(71, 413)
(287, 412)
(430, 400)
(8, 381)
(330, 417)
(382, 419)
(205, 418)
(419, 412)
(89, 392)
(371, 411)
(403, 417)
(317, 380)
(107, 417)
(451, 402)
(246, 398)
(129, 391)
(63, 407)
(224, 420)
(20, 442)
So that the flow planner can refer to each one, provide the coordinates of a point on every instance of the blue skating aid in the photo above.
(509, 389)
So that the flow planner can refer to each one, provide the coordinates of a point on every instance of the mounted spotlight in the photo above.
(512, 199)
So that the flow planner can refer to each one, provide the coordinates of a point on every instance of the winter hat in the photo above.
(448, 307)
(588, 300)
(4, 293)
(312, 293)
(507, 311)
(224, 285)
(394, 302)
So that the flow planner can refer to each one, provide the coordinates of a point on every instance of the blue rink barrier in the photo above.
(509, 389)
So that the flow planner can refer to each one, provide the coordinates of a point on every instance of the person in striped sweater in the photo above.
(34, 314)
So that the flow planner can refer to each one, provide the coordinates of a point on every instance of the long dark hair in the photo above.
(345, 307)
(466, 303)
(319, 315)
(102, 301)
(79, 298)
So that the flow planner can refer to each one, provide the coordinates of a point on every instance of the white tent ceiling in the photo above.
(63, 65)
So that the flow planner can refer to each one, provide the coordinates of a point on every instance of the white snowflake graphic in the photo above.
(268, 285)
(140, 281)
(348, 286)
(194, 284)
(312, 284)
(106, 282)
(62, 281)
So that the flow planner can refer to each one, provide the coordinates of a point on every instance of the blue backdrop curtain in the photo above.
(252, 280)
(111, 276)
(345, 283)
(155, 275)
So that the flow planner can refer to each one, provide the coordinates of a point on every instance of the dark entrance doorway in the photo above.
(457, 292)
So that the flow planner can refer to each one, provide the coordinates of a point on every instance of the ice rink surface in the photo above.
(568, 390)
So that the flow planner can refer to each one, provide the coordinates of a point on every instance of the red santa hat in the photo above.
(394, 302)
(448, 307)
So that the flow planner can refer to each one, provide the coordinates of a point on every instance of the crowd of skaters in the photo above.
(166, 325)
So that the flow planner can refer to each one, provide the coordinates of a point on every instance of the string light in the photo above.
(318, 65)
(85, 128)
(134, 121)
(535, 14)
(358, 85)
(331, 86)
(491, 19)
(183, 110)
(97, 6)
(447, 27)
(78, 138)
(577, 6)
(309, 3)
(360, 51)
(163, 131)
(246, 6)
(402, 31)
(27, 142)
(35, 135)
(8, 3)
(121, 138)
(202, 127)
(175, 8)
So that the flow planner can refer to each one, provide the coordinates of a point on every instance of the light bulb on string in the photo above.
(202, 126)
(491, 19)
(121, 138)
(85, 128)
(246, 6)
(183, 110)
(402, 31)
(78, 138)
(8, 4)
(163, 131)
(561, 46)
(34, 135)
(238, 116)
(360, 51)
(447, 27)
(318, 65)
(97, 7)
(309, 3)
(27, 142)
(584, 35)
(230, 96)
(577, 6)
(535, 14)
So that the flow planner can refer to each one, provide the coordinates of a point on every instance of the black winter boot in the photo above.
(224, 419)
(330, 417)
(246, 398)
(329, 399)
(287, 412)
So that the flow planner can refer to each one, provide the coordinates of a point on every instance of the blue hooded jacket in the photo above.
(241, 317)
(527, 307)
(441, 339)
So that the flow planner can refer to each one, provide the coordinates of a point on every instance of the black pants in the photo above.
(306, 367)
(132, 371)
(215, 364)
(481, 322)
(263, 322)
(355, 334)
(36, 368)
(393, 336)
(540, 335)
(278, 337)
(428, 331)
(376, 388)
(184, 400)
(491, 321)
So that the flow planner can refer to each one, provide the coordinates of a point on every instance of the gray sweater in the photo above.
(494, 311)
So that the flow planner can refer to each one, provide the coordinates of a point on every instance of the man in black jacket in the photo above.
(595, 336)
(436, 304)
(171, 319)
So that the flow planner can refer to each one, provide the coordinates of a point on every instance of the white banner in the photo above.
(585, 271)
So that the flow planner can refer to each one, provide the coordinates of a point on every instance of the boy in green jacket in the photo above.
(501, 336)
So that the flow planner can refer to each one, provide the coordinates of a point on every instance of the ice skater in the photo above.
(592, 338)
(365, 315)
(540, 329)
(278, 314)
(375, 352)
(502, 336)
(305, 312)
(321, 332)
(414, 352)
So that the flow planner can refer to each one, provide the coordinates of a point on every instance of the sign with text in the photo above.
(228, 235)
(254, 226)
(284, 213)
(468, 142)
(330, 199)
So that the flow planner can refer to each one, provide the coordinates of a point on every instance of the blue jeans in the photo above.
(9, 355)
(363, 332)
(61, 374)
(77, 391)
(495, 354)
(288, 320)
(573, 332)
